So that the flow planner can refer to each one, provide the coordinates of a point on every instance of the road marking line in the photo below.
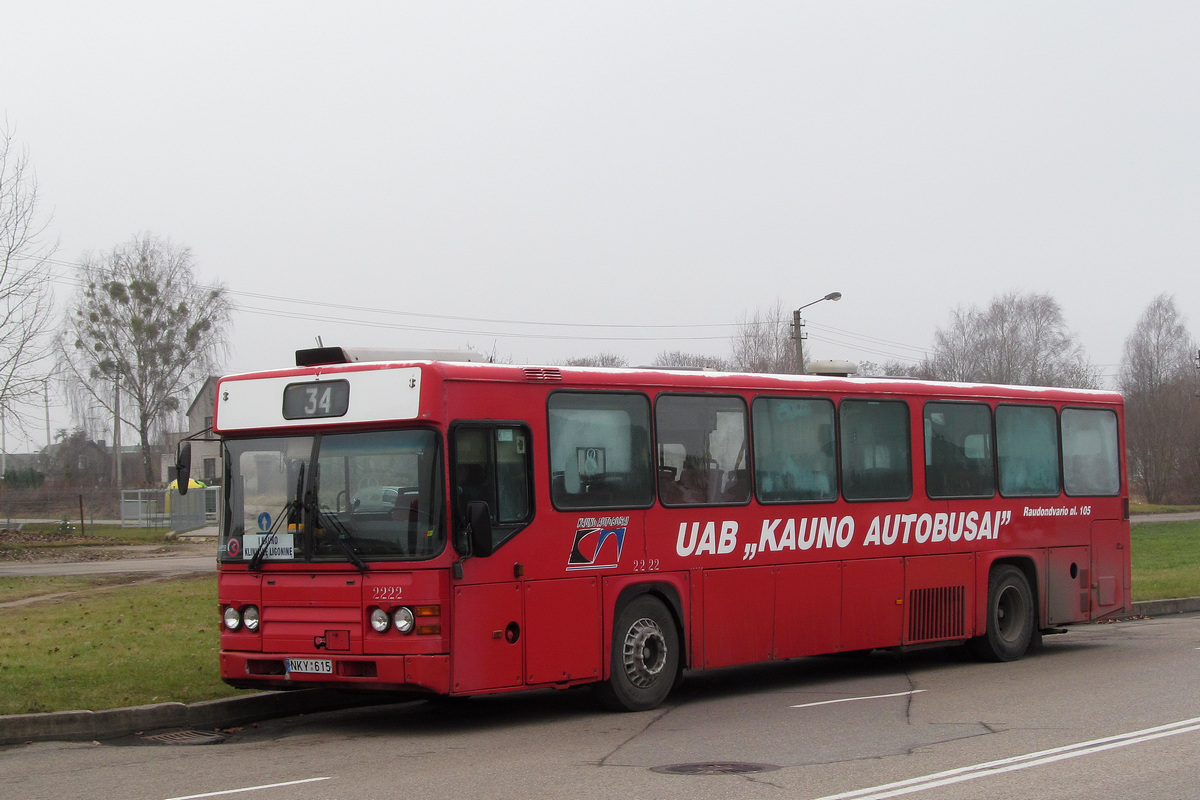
(1017, 762)
(852, 699)
(249, 789)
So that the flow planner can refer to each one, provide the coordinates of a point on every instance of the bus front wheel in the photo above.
(1010, 616)
(645, 656)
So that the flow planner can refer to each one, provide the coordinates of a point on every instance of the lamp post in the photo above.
(798, 328)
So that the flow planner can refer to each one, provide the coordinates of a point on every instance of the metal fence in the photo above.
(166, 508)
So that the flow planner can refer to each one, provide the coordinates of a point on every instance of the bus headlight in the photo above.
(379, 620)
(232, 618)
(250, 618)
(403, 619)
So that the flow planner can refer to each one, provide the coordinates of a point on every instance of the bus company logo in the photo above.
(598, 543)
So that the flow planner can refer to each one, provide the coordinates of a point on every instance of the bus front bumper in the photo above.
(430, 673)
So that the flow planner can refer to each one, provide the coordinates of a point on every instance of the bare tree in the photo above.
(1018, 339)
(599, 360)
(25, 298)
(678, 358)
(1162, 413)
(142, 335)
(764, 342)
(889, 368)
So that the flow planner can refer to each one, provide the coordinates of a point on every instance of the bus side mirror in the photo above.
(183, 467)
(479, 526)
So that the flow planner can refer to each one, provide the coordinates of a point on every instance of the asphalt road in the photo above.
(1106, 710)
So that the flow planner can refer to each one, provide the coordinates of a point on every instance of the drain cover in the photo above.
(185, 737)
(715, 768)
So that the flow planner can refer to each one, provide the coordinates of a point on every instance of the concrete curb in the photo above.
(1161, 608)
(209, 714)
(118, 722)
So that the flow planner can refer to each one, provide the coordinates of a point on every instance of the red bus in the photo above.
(459, 528)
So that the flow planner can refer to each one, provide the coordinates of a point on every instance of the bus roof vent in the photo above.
(543, 373)
(833, 368)
(318, 356)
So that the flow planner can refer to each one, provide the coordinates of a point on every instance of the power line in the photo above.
(840, 337)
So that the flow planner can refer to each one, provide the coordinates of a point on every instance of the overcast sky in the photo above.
(556, 179)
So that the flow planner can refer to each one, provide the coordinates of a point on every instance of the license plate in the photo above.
(317, 665)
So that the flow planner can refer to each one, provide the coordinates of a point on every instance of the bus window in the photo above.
(794, 450)
(1027, 449)
(492, 464)
(702, 458)
(958, 450)
(1090, 462)
(600, 450)
(876, 457)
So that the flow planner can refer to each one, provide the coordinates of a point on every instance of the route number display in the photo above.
(316, 400)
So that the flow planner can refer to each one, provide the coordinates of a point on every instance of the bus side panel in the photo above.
(1110, 567)
(486, 654)
(738, 615)
(872, 603)
(940, 590)
(808, 609)
(562, 630)
(1067, 584)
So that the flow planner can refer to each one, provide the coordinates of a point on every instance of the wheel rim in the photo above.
(645, 652)
(1010, 614)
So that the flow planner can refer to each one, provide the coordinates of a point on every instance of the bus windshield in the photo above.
(340, 497)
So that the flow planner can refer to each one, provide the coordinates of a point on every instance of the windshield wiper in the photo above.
(340, 535)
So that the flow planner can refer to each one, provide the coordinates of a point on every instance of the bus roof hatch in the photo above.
(319, 356)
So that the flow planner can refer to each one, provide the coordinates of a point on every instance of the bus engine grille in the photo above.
(936, 613)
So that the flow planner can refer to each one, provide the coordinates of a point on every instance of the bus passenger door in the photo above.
(486, 637)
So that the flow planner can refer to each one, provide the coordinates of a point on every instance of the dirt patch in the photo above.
(70, 547)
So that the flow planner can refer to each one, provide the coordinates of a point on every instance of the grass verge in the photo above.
(130, 646)
(1166, 560)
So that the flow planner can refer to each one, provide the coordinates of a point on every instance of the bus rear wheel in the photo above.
(644, 656)
(1010, 616)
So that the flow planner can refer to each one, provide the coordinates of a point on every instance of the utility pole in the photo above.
(46, 386)
(117, 431)
(798, 335)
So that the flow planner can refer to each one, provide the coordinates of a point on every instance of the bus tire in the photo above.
(1010, 616)
(644, 656)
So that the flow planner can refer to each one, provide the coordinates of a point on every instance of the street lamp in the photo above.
(798, 328)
